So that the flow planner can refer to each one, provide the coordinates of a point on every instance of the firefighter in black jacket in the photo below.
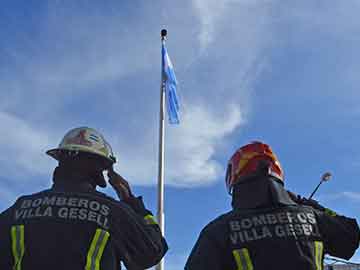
(270, 228)
(71, 225)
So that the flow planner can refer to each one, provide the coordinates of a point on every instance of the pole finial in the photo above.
(163, 33)
(326, 176)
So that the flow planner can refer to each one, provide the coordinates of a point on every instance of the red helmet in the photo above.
(245, 162)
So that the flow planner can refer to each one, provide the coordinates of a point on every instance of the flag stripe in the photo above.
(170, 81)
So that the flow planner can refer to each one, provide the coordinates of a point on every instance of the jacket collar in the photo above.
(260, 192)
(68, 181)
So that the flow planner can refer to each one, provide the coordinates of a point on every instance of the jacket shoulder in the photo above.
(219, 221)
(23, 197)
(104, 196)
(35, 194)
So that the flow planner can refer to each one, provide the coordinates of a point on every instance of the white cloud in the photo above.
(209, 11)
(76, 82)
(23, 147)
(352, 195)
(192, 146)
(190, 158)
(349, 195)
(214, 15)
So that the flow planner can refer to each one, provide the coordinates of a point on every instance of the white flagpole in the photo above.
(160, 213)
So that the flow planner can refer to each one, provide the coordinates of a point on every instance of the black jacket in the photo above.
(77, 228)
(279, 234)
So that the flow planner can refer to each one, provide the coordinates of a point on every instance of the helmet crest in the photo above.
(84, 139)
(78, 139)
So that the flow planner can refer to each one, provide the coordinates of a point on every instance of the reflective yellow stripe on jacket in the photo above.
(96, 250)
(242, 259)
(18, 245)
(319, 249)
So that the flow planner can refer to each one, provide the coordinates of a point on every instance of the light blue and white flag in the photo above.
(170, 87)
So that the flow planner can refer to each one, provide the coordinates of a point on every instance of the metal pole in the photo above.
(160, 213)
(317, 187)
(324, 178)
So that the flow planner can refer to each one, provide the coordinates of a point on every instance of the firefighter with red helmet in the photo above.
(269, 227)
(71, 225)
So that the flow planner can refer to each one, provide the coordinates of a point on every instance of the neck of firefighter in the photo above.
(75, 175)
(260, 191)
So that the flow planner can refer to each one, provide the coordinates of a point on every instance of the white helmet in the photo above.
(84, 139)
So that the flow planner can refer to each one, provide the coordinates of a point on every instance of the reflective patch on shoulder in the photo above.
(150, 220)
(330, 212)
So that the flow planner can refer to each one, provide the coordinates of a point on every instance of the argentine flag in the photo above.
(170, 87)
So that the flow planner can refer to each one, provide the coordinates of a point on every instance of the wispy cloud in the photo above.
(349, 195)
(23, 147)
(91, 75)
(213, 16)
(209, 12)
(190, 149)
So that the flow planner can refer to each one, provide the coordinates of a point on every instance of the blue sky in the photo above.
(282, 72)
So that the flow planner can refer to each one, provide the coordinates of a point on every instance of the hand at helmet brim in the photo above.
(120, 185)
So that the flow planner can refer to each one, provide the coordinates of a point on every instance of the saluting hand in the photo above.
(120, 185)
(304, 201)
